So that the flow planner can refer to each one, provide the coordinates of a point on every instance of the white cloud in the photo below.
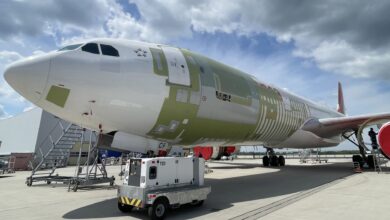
(3, 113)
(28, 108)
(8, 96)
(341, 57)
(7, 57)
(36, 17)
(339, 37)
(366, 97)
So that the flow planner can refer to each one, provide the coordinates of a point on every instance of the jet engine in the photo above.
(384, 139)
(215, 152)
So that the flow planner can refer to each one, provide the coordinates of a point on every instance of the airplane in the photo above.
(148, 96)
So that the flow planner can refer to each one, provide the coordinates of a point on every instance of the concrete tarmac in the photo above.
(241, 189)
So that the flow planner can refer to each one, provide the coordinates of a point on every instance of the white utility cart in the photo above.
(161, 183)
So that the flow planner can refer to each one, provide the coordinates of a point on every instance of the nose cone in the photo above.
(28, 77)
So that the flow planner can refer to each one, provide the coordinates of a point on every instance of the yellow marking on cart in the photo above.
(129, 201)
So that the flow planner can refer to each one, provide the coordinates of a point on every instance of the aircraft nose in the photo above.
(28, 77)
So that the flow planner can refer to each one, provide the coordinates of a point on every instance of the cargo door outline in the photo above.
(178, 72)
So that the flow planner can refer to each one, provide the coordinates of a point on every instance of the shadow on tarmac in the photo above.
(226, 192)
(4, 176)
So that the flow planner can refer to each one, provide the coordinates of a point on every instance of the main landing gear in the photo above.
(363, 158)
(271, 159)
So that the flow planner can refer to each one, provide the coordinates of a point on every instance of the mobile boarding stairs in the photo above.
(54, 152)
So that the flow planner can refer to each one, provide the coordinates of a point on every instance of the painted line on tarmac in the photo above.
(272, 207)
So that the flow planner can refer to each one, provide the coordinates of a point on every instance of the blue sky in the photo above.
(303, 46)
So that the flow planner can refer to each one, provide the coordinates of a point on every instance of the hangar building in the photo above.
(27, 134)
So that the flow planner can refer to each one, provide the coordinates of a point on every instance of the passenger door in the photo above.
(178, 72)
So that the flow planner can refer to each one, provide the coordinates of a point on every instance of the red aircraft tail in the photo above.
(340, 105)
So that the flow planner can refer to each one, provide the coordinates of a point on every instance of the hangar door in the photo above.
(178, 72)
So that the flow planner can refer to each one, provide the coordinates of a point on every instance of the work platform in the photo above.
(241, 189)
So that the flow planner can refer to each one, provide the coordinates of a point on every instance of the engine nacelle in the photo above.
(134, 143)
(206, 151)
(210, 152)
(384, 139)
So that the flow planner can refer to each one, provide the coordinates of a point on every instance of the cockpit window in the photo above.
(70, 47)
(91, 48)
(109, 50)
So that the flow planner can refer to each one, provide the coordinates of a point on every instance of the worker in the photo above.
(372, 135)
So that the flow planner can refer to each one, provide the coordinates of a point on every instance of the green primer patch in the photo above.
(231, 81)
(58, 95)
(242, 101)
(196, 128)
(160, 65)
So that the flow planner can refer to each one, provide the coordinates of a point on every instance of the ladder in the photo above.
(304, 155)
(379, 160)
(91, 172)
(54, 151)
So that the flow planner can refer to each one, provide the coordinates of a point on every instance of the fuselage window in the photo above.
(91, 48)
(109, 50)
(70, 47)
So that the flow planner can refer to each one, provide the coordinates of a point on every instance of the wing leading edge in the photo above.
(330, 127)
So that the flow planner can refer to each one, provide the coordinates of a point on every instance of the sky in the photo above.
(303, 46)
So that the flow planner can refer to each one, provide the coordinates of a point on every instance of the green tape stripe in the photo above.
(58, 95)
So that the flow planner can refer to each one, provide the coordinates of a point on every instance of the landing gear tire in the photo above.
(274, 161)
(29, 181)
(370, 161)
(281, 161)
(266, 161)
(124, 208)
(359, 159)
(158, 210)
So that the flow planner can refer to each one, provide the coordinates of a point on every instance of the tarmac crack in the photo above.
(274, 206)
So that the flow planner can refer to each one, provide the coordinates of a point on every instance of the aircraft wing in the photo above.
(329, 127)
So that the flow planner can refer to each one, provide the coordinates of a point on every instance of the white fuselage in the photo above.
(124, 93)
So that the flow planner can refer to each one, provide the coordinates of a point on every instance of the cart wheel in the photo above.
(124, 208)
(75, 187)
(112, 181)
(48, 182)
(29, 182)
(158, 210)
(198, 203)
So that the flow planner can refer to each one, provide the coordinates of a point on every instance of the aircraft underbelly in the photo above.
(305, 139)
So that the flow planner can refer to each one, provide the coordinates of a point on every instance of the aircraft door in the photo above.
(178, 72)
